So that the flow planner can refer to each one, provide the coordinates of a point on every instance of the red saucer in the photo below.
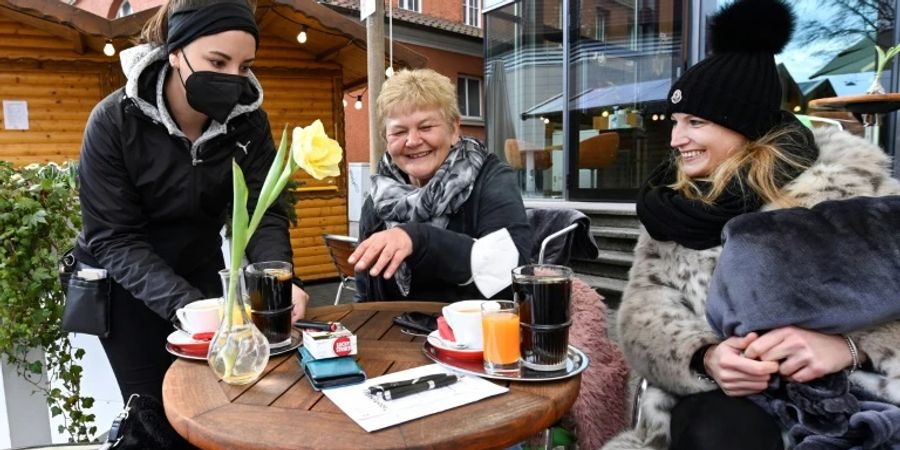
(455, 353)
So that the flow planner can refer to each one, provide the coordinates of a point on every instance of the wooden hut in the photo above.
(51, 57)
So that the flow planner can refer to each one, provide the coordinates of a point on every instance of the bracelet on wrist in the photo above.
(854, 354)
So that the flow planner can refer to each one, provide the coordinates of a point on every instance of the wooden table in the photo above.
(867, 108)
(282, 411)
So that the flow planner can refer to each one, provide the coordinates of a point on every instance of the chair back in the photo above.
(513, 149)
(558, 234)
(598, 151)
(340, 248)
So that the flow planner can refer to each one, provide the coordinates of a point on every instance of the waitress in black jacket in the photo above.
(155, 177)
(444, 219)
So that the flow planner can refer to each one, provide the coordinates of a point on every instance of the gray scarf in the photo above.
(397, 202)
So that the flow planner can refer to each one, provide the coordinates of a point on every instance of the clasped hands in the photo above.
(743, 365)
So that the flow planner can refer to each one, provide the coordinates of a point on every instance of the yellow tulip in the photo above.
(315, 152)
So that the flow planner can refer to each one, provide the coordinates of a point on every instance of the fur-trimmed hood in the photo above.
(662, 319)
(138, 64)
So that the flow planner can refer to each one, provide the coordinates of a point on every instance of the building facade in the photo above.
(575, 89)
(449, 34)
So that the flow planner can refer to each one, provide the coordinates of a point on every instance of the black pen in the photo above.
(403, 391)
(379, 388)
(311, 324)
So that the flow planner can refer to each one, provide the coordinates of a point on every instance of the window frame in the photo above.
(463, 80)
(410, 5)
(472, 13)
(601, 24)
(124, 9)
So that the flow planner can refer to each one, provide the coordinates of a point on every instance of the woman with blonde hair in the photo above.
(735, 153)
(444, 219)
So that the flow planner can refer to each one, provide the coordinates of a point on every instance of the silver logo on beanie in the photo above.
(676, 96)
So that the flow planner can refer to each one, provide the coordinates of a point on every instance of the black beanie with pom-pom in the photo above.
(738, 86)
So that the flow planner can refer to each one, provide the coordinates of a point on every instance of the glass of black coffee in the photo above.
(543, 293)
(269, 288)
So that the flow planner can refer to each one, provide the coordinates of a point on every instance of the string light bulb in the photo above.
(389, 72)
(605, 113)
(301, 38)
(358, 103)
(109, 49)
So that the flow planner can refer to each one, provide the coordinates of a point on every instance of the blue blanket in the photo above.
(833, 268)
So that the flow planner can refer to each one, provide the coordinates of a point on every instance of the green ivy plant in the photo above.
(39, 218)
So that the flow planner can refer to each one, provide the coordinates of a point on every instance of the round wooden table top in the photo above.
(282, 411)
(860, 104)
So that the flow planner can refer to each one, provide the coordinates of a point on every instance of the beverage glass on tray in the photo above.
(543, 293)
(500, 325)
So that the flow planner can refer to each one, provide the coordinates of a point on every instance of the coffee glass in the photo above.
(543, 293)
(269, 288)
(500, 325)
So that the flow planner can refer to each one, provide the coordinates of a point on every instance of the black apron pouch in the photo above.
(87, 307)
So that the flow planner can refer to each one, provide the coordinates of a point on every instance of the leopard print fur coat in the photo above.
(662, 318)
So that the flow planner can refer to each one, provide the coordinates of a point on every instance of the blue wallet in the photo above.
(330, 372)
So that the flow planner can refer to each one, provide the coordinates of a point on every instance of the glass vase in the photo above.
(239, 352)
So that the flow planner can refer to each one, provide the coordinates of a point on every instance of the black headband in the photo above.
(186, 26)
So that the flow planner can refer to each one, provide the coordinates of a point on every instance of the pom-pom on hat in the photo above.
(738, 86)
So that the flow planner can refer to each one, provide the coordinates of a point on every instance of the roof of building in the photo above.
(332, 36)
(414, 18)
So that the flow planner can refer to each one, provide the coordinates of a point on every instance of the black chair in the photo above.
(560, 234)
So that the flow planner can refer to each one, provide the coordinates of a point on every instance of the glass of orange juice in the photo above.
(500, 329)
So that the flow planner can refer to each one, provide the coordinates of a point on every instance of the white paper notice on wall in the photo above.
(15, 114)
(366, 8)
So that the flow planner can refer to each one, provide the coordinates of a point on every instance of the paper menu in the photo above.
(374, 413)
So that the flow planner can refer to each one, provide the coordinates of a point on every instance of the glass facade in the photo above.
(623, 57)
(620, 59)
(523, 71)
(576, 102)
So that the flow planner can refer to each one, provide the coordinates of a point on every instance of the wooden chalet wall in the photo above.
(62, 86)
(298, 90)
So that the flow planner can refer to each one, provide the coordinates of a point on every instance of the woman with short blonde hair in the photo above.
(444, 219)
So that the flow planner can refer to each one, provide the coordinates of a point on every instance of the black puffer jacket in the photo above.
(441, 258)
(153, 204)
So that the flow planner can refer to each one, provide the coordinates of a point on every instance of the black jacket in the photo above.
(441, 258)
(153, 207)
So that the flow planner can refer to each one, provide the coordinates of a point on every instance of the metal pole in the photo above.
(375, 60)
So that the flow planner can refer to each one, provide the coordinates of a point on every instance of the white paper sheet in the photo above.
(15, 114)
(373, 413)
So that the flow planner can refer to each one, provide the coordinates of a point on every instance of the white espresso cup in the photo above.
(464, 317)
(201, 316)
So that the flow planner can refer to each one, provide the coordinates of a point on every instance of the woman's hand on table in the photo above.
(736, 374)
(382, 252)
(804, 355)
(300, 299)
